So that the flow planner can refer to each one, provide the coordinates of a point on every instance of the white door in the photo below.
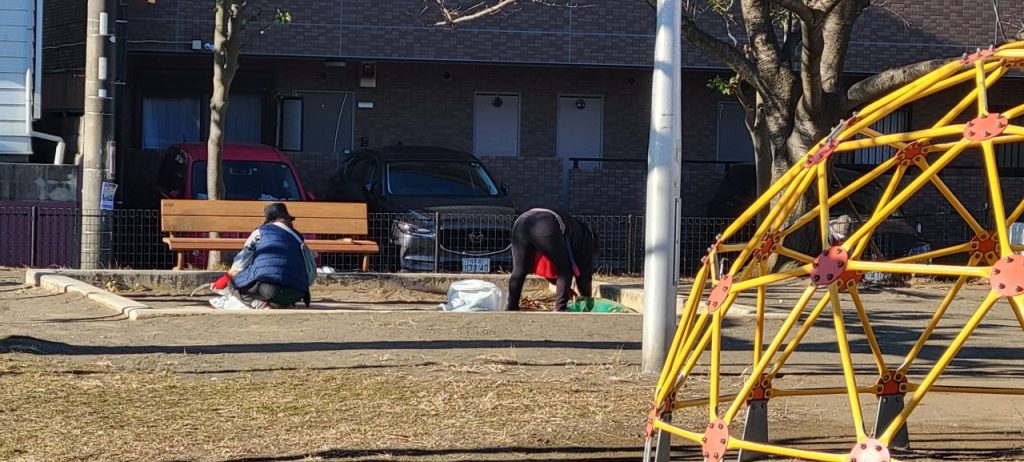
(580, 128)
(496, 124)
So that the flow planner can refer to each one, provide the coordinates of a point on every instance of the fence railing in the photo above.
(41, 236)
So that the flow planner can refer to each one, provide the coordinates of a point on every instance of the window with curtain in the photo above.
(170, 120)
(166, 121)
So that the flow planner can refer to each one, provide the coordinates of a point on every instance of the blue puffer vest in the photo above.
(278, 261)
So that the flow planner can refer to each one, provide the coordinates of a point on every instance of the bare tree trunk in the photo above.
(226, 40)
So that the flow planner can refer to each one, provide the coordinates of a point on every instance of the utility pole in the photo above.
(661, 264)
(98, 130)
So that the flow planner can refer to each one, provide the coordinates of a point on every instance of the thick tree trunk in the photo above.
(226, 38)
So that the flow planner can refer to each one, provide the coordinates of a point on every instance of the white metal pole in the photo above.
(661, 273)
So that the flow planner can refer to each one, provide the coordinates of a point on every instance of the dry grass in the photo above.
(53, 410)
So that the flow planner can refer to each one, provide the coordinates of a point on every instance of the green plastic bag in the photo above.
(595, 305)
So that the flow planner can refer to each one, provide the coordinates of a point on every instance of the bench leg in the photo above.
(366, 264)
(181, 262)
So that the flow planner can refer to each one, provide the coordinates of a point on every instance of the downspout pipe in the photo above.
(58, 155)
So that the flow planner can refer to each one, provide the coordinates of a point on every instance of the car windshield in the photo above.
(250, 180)
(439, 178)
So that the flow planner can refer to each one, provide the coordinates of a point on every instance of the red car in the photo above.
(251, 172)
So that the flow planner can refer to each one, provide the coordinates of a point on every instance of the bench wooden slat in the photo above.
(190, 224)
(184, 216)
(202, 216)
(225, 208)
(320, 245)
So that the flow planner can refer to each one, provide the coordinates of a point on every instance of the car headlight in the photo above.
(415, 229)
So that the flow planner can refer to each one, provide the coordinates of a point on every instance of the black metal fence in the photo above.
(41, 236)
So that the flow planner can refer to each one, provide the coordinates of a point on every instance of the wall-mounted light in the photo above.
(497, 101)
(334, 63)
(581, 104)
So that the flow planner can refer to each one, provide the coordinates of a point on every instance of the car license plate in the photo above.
(476, 265)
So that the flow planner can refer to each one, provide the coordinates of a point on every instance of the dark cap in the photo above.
(276, 211)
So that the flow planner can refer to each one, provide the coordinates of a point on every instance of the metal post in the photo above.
(98, 126)
(437, 242)
(661, 277)
(34, 248)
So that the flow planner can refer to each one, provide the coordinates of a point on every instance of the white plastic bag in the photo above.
(474, 295)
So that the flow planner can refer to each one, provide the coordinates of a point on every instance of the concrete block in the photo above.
(32, 276)
(116, 302)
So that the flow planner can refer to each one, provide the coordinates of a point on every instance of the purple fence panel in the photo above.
(15, 236)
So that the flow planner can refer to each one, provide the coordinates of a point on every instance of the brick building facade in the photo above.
(428, 85)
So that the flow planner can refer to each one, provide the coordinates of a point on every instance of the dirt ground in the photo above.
(78, 383)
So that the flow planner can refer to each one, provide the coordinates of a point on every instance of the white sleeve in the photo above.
(244, 258)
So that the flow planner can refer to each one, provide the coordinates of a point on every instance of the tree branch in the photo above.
(879, 84)
(453, 15)
(798, 7)
(757, 19)
(724, 52)
(810, 64)
(836, 32)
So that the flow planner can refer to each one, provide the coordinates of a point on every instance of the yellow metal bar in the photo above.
(691, 361)
(1016, 212)
(791, 204)
(699, 402)
(762, 296)
(735, 443)
(979, 82)
(674, 375)
(890, 189)
(788, 252)
(823, 203)
(771, 278)
(951, 198)
(664, 426)
(778, 392)
(692, 303)
(800, 333)
(1018, 310)
(971, 97)
(1005, 139)
(716, 364)
(1013, 112)
(913, 268)
(847, 360)
(876, 351)
(848, 190)
(729, 248)
(874, 133)
(934, 322)
(755, 374)
(941, 74)
(938, 253)
(853, 145)
(996, 194)
(939, 367)
(975, 390)
(910, 190)
(781, 209)
(761, 202)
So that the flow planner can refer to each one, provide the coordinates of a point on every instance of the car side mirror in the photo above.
(504, 189)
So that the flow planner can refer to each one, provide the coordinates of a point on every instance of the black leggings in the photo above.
(539, 232)
(273, 293)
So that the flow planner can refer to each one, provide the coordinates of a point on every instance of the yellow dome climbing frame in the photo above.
(838, 267)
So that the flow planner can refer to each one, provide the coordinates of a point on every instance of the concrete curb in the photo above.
(188, 280)
(633, 298)
(47, 280)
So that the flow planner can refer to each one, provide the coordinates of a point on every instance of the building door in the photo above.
(496, 124)
(580, 128)
(327, 122)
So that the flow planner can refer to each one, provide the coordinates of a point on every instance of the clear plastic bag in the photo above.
(474, 295)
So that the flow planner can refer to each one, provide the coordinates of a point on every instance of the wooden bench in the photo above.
(193, 217)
